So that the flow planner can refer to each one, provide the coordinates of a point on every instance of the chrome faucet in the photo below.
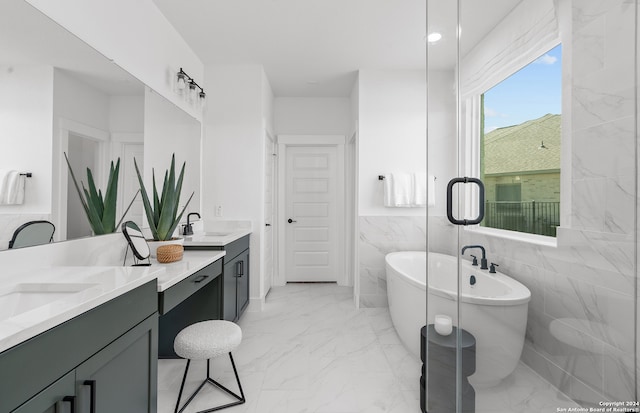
(483, 260)
(188, 228)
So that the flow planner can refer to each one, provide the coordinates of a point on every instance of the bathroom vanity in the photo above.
(188, 292)
(211, 282)
(93, 345)
(235, 275)
(76, 332)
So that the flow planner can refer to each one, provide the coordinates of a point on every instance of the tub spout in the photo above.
(483, 260)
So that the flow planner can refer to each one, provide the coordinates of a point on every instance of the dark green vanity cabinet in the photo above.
(56, 398)
(236, 286)
(106, 357)
(235, 276)
(196, 298)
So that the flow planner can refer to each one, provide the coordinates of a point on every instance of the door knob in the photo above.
(290, 221)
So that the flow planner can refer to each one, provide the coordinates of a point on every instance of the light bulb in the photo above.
(192, 91)
(181, 81)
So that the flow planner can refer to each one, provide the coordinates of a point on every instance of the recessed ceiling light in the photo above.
(434, 37)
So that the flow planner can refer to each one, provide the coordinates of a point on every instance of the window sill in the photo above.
(515, 236)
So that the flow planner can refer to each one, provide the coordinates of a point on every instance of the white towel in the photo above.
(18, 189)
(398, 189)
(11, 187)
(4, 186)
(419, 193)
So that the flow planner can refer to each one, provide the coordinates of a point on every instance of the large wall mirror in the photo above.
(58, 95)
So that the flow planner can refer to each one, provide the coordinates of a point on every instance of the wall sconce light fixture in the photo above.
(183, 79)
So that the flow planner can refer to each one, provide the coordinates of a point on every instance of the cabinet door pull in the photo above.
(239, 268)
(72, 402)
(92, 386)
(200, 278)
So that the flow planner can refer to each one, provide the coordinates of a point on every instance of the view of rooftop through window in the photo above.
(520, 148)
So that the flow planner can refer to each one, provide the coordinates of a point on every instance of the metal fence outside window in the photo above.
(533, 217)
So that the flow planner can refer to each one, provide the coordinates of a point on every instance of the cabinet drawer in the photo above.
(179, 292)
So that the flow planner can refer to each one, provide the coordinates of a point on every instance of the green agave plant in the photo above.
(101, 211)
(163, 217)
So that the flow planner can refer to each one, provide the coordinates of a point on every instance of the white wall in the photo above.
(26, 113)
(442, 137)
(233, 155)
(134, 35)
(77, 101)
(126, 114)
(391, 115)
(168, 130)
(392, 130)
(268, 105)
(312, 116)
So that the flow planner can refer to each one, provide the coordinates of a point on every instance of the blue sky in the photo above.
(530, 93)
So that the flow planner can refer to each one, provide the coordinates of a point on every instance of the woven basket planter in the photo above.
(169, 253)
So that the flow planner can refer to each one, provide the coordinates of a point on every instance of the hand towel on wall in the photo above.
(419, 193)
(398, 189)
(11, 187)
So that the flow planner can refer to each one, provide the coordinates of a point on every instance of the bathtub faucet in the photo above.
(483, 260)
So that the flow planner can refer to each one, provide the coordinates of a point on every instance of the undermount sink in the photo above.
(25, 297)
(217, 234)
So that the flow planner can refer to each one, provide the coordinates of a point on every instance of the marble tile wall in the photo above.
(584, 288)
(378, 236)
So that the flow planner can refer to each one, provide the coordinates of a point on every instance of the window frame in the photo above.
(471, 122)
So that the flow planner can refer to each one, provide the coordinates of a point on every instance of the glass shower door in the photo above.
(538, 100)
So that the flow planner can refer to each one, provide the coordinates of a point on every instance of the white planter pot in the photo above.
(153, 245)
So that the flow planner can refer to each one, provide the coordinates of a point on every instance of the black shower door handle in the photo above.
(465, 180)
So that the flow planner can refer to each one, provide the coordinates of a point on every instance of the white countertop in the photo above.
(215, 238)
(36, 300)
(191, 262)
(50, 296)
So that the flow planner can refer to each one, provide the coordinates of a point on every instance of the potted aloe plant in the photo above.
(100, 210)
(162, 215)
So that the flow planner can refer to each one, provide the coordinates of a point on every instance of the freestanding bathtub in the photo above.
(493, 309)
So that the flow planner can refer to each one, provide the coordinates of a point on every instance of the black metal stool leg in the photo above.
(184, 379)
(240, 399)
(237, 378)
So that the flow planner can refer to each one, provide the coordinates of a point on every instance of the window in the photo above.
(520, 148)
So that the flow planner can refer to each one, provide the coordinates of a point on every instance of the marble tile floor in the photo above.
(311, 350)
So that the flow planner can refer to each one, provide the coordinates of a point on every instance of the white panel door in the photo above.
(311, 205)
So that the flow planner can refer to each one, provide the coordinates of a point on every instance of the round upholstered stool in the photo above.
(203, 341)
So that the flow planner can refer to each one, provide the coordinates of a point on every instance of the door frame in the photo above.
(269, 139)
(68, 127)
(284, 141)
(120, 142)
